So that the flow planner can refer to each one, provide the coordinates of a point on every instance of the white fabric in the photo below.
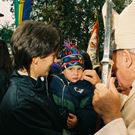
(125, 126)
(125, 28)
(110, 128)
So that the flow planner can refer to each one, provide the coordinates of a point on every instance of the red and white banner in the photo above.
(93, 47)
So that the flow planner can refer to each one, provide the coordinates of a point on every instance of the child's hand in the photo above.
(71, 120)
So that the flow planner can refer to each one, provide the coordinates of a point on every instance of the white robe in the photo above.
(126, 124)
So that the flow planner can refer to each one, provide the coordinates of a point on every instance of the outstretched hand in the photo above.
(91, 76)
(106, 102)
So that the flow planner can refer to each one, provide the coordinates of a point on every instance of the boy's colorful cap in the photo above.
(71, 56)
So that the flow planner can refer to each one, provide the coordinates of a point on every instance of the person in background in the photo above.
(5, 67)
(26, 107)
(72, 95)
(116, 104)
(87, 61)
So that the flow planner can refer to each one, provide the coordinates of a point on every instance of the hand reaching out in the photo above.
(91, 76)
(106, 102)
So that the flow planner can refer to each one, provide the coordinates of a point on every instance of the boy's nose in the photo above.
(75, 72)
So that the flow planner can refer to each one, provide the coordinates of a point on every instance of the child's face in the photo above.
(73, 73)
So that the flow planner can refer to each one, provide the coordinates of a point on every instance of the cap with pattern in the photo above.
(70, 56)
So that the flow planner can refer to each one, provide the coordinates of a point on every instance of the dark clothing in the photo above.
(55, 68)
(74, 98)
(4, 79)
(26, 109)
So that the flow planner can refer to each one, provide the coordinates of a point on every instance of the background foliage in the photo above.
(73, 18)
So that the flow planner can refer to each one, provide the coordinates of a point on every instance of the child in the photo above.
(72, 95)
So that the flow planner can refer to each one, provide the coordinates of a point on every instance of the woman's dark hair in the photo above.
(5, 59)
(33, 39)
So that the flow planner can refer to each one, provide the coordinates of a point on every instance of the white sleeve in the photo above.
(115, 127)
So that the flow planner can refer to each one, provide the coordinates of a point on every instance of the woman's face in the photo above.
(46, 64)
(42, 65)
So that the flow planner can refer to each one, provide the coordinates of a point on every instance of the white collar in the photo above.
(26, 74)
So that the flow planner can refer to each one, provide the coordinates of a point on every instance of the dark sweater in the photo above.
(4, 80)
(26, 109)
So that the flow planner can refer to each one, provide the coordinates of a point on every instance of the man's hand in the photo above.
(106, 102)
(91, 76)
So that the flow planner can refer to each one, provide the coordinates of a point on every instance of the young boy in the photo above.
(72, 95)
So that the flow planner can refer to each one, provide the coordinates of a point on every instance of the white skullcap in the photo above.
(125, 28)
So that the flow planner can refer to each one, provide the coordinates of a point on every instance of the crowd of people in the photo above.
(66, 98)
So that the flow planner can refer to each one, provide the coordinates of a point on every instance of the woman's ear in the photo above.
(35, 60)
(128, 58)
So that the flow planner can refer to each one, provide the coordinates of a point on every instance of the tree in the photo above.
(6, 33)
(72, 17)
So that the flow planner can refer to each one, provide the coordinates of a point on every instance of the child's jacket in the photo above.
(74, 98)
